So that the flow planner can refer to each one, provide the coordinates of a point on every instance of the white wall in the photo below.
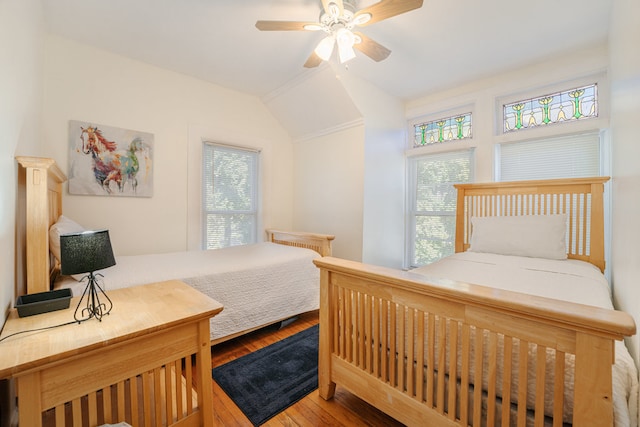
(625, 111)
(384, 172)
(21, 43)
(328, 188)
(313, 104)
(88, 84)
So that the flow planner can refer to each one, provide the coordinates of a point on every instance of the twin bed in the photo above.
(248, 280)
(516, 328)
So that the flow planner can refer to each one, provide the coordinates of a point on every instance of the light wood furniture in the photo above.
(39, 206)
(320, 243)
(135, 365)
(373, 339)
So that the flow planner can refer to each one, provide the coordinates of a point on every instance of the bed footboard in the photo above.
(320, 243)
(437, 352)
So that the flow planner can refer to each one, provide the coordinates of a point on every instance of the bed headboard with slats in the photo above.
(39, 206)
(581, 199)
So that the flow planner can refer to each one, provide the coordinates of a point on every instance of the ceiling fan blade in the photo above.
(388, 8)
(372, 49)
(313, 61)
(283, 25)
(327, 9)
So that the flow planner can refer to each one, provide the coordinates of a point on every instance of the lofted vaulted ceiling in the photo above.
(444, 43)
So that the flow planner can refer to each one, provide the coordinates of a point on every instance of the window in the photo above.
(432, 204)
(441, 130)
(230, 195)
(560, 157)
(570, 105)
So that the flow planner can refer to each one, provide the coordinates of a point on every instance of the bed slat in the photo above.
(506, 380)
(453, 367)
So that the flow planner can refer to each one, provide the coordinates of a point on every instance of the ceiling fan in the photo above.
(338, 20)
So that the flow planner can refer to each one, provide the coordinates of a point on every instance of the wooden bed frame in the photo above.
(373, 334)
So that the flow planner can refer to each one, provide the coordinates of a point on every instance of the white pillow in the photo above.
(538, 236)
(62, 226)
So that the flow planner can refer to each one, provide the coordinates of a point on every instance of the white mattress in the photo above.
(257, 284)
(569, 280)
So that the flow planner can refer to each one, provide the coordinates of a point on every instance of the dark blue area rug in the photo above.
(269, 380)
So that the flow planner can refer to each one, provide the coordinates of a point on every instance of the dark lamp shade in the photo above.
(85, 252)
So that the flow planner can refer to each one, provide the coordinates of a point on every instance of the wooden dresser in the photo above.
(148, 362)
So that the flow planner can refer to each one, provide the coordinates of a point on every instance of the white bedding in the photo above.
(568, 280)
(257, 284)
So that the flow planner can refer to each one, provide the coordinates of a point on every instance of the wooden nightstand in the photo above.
(138, 360)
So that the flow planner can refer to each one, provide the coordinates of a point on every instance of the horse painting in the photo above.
(113, 169)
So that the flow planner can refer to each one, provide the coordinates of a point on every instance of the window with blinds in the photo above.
(560, 157)
(432, 203)
(230, 195)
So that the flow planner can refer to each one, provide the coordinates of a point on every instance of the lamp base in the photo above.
(93, 306)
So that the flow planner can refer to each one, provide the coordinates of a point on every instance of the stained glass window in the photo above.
(441, 130)
(571, 105)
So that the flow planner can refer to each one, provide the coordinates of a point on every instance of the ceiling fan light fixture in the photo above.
(361, 19)
(312, 27)
(346, 53)
(337, 19)
(345, 37)
(333, 10)
(345, 40)
(325, 48)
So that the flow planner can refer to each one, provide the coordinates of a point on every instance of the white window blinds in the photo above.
(230, 196)
(561, 157)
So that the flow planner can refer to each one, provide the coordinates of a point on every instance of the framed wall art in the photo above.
(109, 161)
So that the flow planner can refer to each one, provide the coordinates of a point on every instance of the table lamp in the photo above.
(88, 252)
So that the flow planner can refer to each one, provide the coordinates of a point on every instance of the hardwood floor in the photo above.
(344, 409)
